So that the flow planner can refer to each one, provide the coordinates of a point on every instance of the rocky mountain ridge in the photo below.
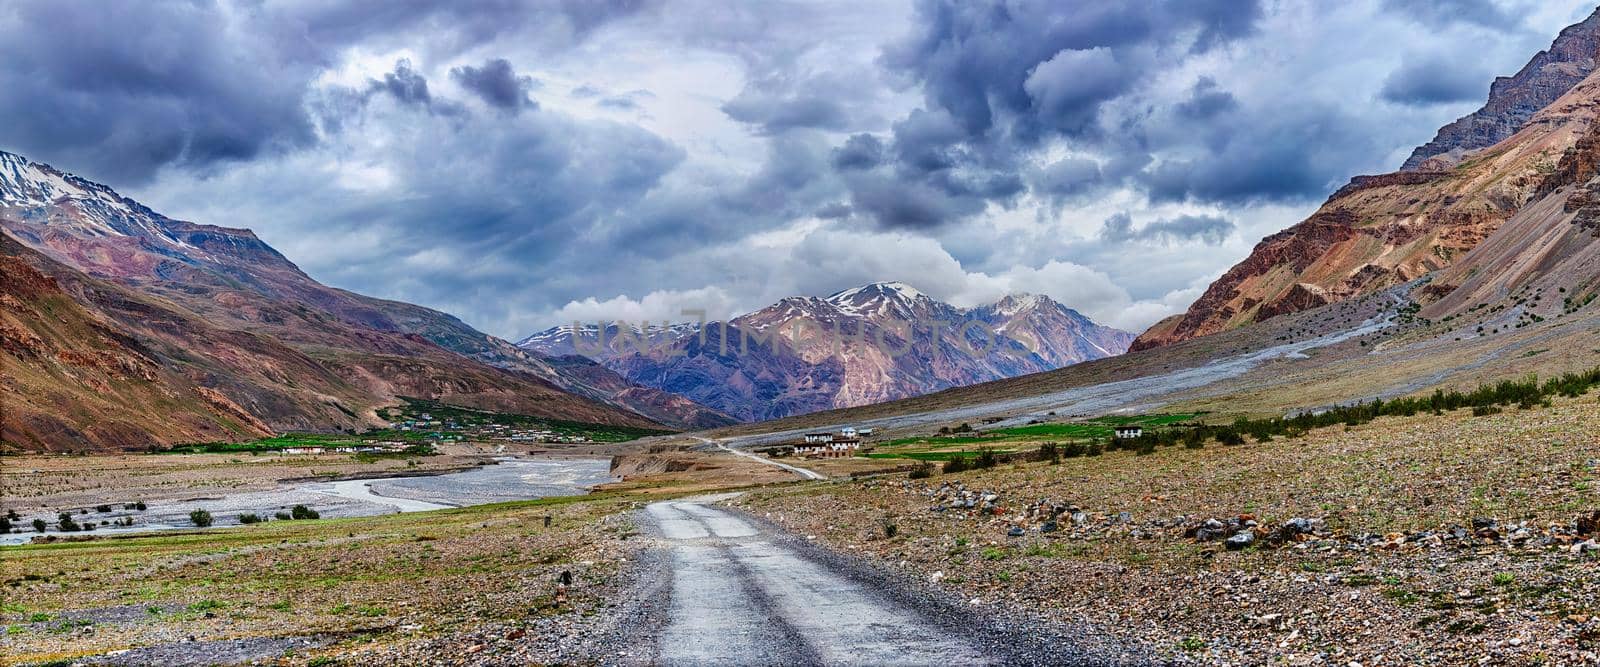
(862, 345)
(206, 278)
(1385, 230)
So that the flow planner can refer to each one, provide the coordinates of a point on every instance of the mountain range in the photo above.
(122, 327)
(873, 343)
(1451, 195)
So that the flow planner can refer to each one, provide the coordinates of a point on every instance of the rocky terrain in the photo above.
(791, 358)
(1381, 231)
(1446, 539)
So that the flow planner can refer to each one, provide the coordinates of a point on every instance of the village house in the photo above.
(1129, 432)
(836, 448)
(815, 438)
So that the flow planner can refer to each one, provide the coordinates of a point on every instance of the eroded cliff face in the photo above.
(1384, 230)
(1513, 100)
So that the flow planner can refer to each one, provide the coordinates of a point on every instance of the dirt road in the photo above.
(740, 592)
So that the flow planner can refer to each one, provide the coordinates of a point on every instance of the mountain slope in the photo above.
(91, 365)
(863, 345)
(221, 279)
(1381, 231)
(1513, 100)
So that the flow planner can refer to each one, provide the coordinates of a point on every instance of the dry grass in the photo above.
(1395, 475)
(361, 578)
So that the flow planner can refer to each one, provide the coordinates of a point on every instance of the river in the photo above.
(508, 479)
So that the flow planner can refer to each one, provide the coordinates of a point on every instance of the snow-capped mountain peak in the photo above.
(31, 189)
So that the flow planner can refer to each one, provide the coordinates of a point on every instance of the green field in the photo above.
(1016, 438)
(470, 424)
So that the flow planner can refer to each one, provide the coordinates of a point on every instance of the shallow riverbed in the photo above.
(508, 479)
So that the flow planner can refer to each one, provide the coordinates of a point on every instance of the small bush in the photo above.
(38, 525)
(986, 459)
(102, 508)
(200, 518)
(248, 519)
(303, 512)
(922, 471)
(66, 524)
(283, 516)
(890, 529)
(1074, 450)
(956, 464)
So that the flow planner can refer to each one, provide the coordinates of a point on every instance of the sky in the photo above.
(528, 164)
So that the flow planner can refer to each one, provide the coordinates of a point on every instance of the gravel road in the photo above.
(738, 591)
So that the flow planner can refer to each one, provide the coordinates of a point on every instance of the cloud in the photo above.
(1435, 80)
(497, 84)
(405, 85)
(782, 148)
(1207, 229)
(1442, 13)
(861, 151)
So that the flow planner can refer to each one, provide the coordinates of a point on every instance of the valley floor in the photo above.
(1448, 539)
(1427, 540)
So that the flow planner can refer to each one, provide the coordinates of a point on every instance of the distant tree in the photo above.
(200, 518)
(38, 525)
(303, 512)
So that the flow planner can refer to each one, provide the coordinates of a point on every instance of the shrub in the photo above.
(986, 459)
(102, 508)
(283, 516)
(249, 519)
(1094, 449)
(139, 506)
(1146, 447)
(38, 525)
(1049, 452)
(889, 529)
(66, 524)
(956, 464)
(303, 512)
(200, 518)
(923, 470)
(5, 525)
(1074, 450)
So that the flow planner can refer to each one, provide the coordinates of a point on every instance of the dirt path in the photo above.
(742, 592)
(808, 474)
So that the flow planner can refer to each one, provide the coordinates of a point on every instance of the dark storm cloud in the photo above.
(975, 58)
(405, 84)
(1435, 80)
(1287, 155)
(1206, 101)
(861, 151)
(497, 84)
(144, 85)
(779, 113)
(193, 84)
(785, 96)
(1204, 228)
(1068, 178)
(1442, 13)
(1000, 79)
